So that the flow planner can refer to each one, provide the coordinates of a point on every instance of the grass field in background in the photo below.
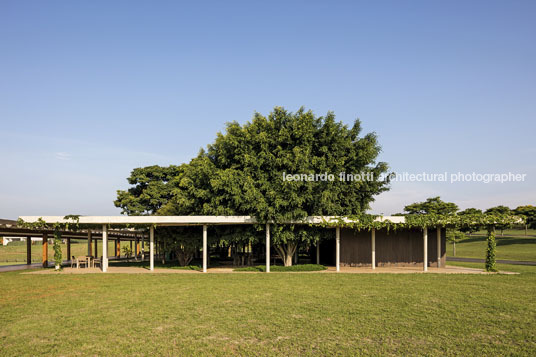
(15, 252)
(266, 314)
(508, 248)
(518, 231)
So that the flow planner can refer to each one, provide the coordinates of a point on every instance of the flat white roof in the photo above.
(189, 220)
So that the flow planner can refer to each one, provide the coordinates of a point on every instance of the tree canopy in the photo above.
(242, 173)
(150, 190)
(433, 205)
(529, 212)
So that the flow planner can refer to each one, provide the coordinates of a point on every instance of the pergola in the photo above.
(205, 221)
(12, 229)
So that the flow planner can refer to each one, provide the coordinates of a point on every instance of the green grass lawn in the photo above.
(266, 314)
(508, 248)
(515, 231)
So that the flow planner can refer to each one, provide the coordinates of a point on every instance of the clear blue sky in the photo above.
(91, 89)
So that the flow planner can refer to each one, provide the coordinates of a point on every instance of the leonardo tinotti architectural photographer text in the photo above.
(408, 177)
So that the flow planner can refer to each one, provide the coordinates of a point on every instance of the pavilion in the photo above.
(401, 247)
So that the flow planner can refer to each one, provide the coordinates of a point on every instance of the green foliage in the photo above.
(127, 251)
(151, 190)
(500, 210)
(183, 241)
(433, 205)
(241, 173)
(470, 212)
(528, 213)
(71, 222)
(279, 268)
(368, 221)
(490, 252)
(454, 235)
(58, 259)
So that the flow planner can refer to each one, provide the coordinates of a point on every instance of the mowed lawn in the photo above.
(267, 314)
(508, 247)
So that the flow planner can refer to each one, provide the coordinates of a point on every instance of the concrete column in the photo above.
(373, 245)
(45, 250)
(317, 252)
(425, 248)
(151, 248)
(28, 250)
(137, 248)
(205, 248)
(89, 252)
(69, 249)
(267, 247)
(338, 248)
(438, 247)
(104, 248)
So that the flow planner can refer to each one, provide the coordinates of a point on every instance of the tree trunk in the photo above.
(184, 257)
(454, 248)
(526, 229)
(286, 251)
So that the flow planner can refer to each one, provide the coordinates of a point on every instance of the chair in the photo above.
(97, 262)
(73, 261)
(81, 261)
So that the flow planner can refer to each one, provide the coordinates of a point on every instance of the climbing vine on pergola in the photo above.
(477, 220)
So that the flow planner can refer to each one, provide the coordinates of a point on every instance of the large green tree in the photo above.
(242, 173)
(529, 214)
(433, 205)
(150, 190)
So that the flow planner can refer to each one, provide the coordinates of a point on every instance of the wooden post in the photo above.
(267, 247)
(137, 248)
(45, 250)
(118, 247)
(373, 244)
(96, 248)
(69, 249)
(28, 250)
(425, 248)
(89, 253)
(338, 248)
(317, 252)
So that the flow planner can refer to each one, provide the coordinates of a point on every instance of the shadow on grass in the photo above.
(157, 265)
